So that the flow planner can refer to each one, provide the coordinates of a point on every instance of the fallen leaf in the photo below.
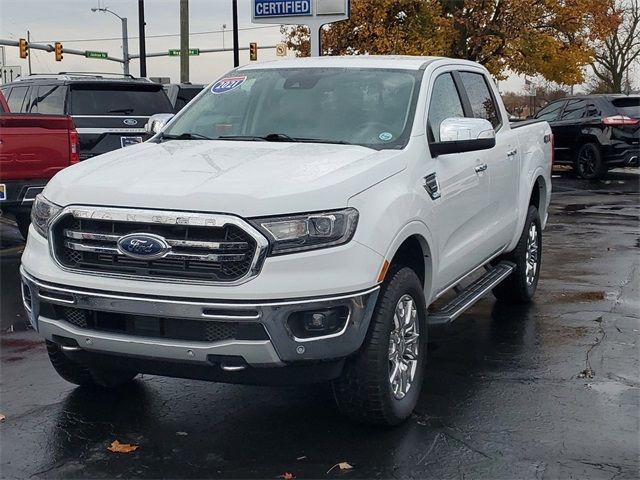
(341, 466)
(287, 476)
(2, 418)
(118, 447)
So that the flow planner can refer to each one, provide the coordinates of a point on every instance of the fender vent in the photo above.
(431, 186)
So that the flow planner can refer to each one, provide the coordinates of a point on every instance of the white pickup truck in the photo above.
(294, 223)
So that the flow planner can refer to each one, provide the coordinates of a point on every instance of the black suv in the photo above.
(594, 133)
(109, 113)
(182, 93)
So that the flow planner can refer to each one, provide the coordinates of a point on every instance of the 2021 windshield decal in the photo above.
(227, 84)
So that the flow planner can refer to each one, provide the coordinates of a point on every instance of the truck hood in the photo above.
(243, 178)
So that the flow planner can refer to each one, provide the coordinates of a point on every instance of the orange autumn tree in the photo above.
(552, 38)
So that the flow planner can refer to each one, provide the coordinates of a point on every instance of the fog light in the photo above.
(317, 323)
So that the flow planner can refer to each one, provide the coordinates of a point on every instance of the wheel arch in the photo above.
(412, 247)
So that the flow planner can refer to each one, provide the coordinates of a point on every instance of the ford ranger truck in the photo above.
(295, 223)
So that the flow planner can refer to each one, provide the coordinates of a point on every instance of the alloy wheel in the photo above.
(404, 347)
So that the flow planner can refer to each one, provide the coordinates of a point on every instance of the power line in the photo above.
(154, 36)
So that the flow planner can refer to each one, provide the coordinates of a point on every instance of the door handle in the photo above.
(512, 153)
(481, 168)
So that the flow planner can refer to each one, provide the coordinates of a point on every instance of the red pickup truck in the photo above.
(33, 148)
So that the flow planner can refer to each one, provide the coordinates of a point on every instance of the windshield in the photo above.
(370, 107)
(117, 100)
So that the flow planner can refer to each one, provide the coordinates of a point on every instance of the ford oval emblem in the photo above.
(130, 121)
(144, 246)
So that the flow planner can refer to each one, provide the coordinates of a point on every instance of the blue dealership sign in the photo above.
(282, 8)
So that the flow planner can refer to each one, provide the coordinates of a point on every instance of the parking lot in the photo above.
(549, 390)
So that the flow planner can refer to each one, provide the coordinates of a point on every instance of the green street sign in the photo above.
(175, 52)
(90, 54)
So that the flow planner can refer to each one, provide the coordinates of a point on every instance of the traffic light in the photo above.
(253, 51)
(58, 50)
(24, 48)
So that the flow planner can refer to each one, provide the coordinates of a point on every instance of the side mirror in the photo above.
(157, 122)
(459, 135)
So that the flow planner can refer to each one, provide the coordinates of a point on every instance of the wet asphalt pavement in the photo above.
(508, 392)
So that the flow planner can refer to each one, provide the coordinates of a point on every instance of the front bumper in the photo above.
(279, 348)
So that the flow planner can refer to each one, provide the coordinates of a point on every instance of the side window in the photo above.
(482, 102)
(16, 98)
(445, 103)
(49, 99)
(550, 112)
(593, 111)
(574, 110)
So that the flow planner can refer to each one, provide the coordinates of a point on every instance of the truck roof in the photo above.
(353, 61)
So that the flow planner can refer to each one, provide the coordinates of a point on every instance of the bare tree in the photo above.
(614, 56)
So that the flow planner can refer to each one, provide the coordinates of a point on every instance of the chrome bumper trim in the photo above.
(255, 353)
(273, 315)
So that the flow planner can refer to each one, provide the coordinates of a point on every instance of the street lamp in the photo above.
(125, 37)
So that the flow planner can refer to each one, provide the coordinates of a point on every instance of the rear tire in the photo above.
(79, 374)
(520, 286)
(381, 384)
(23, 220)
(589, 164)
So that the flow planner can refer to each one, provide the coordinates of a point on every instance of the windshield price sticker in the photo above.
(227, 84)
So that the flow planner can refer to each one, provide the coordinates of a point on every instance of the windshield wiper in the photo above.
(184, 136)
(126, 111)
(280, 137)
(272, 137)
(321, 140)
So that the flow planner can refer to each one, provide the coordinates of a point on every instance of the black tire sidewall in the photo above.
(600, 170)
(401, 281)
(521, 262)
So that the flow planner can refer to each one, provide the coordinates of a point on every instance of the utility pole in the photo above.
(236, 47)
(29, 57)
(184, 41)
(125, 37)
(141, 34)
(125, 46)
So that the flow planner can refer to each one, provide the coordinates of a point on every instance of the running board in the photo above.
(471, 294)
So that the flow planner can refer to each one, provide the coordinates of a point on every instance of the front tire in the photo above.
(381, 384)
(520, 286)
(79, 374)
(589, 164)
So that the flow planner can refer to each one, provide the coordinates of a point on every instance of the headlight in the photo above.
(310, 231)
(42, 212)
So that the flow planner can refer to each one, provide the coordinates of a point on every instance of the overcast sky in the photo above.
(74, 24)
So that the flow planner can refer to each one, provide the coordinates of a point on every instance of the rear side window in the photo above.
(574, 110)
(445, 103)
(16, 98)
(482, 103)
(185, 95)
(117, 100)
(593, 111)
(550, 112)
(629, 106)
(49, 99)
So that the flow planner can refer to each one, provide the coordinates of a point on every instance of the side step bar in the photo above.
(471, 294)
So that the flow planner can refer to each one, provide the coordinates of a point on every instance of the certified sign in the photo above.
(281, 8)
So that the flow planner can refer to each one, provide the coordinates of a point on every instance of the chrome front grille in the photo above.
(203, 248)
